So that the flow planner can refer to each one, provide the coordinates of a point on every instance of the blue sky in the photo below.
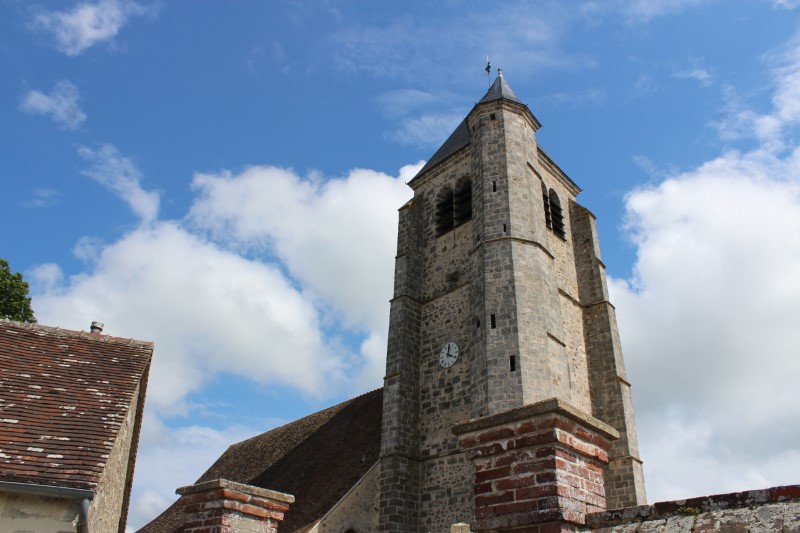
(224, 179)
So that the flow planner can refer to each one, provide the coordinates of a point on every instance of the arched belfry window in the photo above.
(557, 215)
(462, 201)
(444, 211)
(548, 220)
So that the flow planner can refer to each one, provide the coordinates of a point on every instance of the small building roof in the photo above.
(63, 397)
(317, 459)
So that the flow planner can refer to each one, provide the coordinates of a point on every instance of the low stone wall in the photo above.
(767, 510)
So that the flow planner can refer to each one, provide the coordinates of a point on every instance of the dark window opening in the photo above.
(444, 211)
(504, 228)
(557, 215)
(512, 362)
(477, 323)
(492, 116)
(494, 322)
(494, 186)
(462, 200)
(548, 220)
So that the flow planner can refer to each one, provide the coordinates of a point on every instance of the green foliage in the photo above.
(15, 303)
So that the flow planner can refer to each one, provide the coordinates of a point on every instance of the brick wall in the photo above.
(536, 468)
(222, 506)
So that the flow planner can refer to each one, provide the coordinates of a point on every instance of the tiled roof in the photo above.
(63, 397)
(317, 459)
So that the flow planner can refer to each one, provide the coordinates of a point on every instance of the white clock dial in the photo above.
(448, 355)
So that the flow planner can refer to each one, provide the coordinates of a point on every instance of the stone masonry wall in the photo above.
(399, 468)
(758, 511)
(610, 390)
(106, 507)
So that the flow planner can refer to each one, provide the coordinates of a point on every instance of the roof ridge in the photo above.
(81, 334)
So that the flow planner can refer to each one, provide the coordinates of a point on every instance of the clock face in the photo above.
(448, 355)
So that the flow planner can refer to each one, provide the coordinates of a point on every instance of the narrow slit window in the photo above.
(477, 323)
(557, 215)
(444, 211)
(462, 202)
(494, 322)
(512, 362)
(504, 228)
(548, 220)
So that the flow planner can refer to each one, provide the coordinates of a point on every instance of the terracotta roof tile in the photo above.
(63, 397)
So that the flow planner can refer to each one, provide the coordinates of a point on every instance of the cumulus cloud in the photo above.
(266, 263)
(334, 236)
(88, 23)
(708, 320)
(117, 173)
(62, 105)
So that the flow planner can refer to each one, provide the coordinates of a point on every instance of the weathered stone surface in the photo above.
(766, 510)
(515, 293)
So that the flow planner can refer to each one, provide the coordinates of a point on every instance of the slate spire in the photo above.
(499, 90)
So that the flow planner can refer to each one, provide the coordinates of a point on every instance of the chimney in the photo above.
(97, 327)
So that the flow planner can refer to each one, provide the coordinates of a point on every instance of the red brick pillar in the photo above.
(222, 506)
(537, 468)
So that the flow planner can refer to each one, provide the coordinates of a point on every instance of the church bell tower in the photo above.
(500, 312)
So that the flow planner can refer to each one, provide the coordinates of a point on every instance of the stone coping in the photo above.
(553, 405)
(693, 506)
(233, 485)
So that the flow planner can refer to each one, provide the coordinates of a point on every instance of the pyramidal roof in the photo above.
(500, 90)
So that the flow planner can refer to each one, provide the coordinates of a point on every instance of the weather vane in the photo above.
(488, 70)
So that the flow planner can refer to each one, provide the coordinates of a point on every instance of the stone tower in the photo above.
(500, 302)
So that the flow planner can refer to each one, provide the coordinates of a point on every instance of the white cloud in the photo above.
(702, 75)
(43, 197)
(62, 104)
(336, 236)
(88, 23)
(228, 305)
(516, 37)
(708, 320)
(209, 311)
(169, 458)
(643, 11)
(118, 174)
(741, 122)
(428, 130)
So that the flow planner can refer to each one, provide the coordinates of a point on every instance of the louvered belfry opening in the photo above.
(444, 211)
(556, 215)
(462, 210)
(548, 219)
